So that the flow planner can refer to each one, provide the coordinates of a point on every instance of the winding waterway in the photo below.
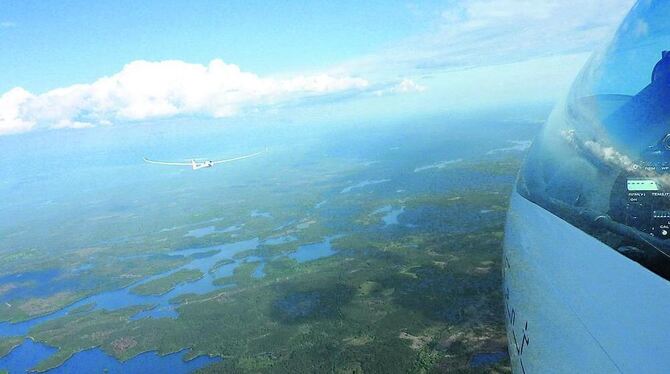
(30, 353)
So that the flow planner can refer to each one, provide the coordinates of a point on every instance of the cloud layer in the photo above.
(146, 90)
(465, 34)
(473, 33)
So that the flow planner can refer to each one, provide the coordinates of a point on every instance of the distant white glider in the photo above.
(195, 165)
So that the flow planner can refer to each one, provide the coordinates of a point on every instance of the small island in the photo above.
(166, 284)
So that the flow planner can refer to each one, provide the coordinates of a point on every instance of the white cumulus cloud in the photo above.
(11, 120)
(408, 85)
(404, 86)
(145, 90)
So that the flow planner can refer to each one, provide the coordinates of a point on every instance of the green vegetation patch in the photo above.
(83, 309)
(74, 333)
(166, 284)
(220, 263)
(8, 343)
(24, 309)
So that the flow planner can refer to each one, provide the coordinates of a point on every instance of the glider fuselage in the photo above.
(201, 165)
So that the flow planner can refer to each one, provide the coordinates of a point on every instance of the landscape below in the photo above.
(362, 251)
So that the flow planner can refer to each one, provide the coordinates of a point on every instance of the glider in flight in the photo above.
(195, 165)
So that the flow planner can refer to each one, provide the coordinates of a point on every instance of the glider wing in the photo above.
(167, 163)
(236, 158)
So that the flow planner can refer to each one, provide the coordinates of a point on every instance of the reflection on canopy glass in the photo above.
(603, 161)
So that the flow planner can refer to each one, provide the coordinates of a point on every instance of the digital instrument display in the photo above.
(641, 185)
(648, 207)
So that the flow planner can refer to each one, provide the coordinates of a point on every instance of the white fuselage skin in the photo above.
(201, 165)
(574, 305)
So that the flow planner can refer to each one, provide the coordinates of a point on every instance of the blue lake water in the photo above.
(207, 230)
(259, 272)
(309, 252)
(96, 361)
(391, 218)
(123, 298)
(384, 209)
(202, 231)
(163, 307)
(24, 354)
(28, 354)
(391, 215)
(25, 357)
(232, 228)
(51, 281)
(363, 184)
(486, 358)
(517, 146)
(258, 213)
(437, 165)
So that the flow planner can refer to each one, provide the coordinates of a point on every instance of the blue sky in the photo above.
(80, 64)
(55, 44)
